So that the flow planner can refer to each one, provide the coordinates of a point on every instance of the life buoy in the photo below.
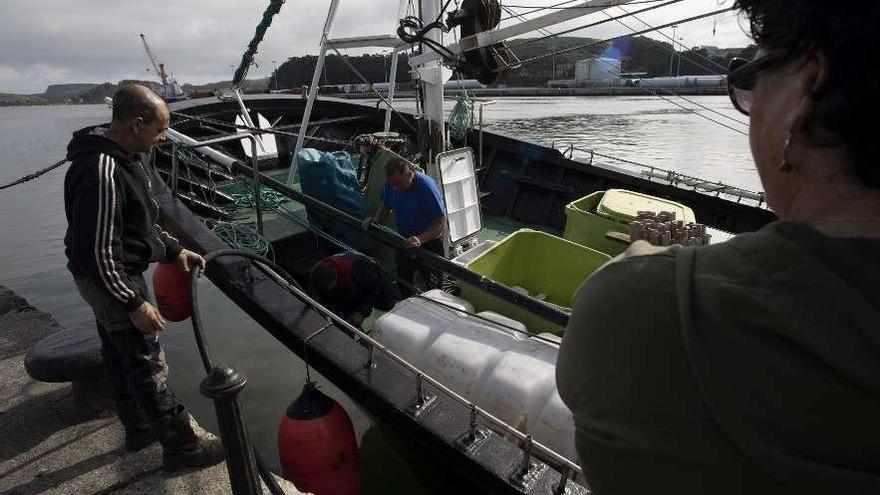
(317, 445)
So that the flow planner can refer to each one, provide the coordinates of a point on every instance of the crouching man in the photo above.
(351, 285)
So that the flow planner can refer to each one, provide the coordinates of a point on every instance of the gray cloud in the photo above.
(49, 41)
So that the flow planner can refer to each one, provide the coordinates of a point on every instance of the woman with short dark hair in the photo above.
(753, 366)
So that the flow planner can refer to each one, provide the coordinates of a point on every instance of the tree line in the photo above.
(637, 54)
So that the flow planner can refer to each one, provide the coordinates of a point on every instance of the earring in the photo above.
(786, 166)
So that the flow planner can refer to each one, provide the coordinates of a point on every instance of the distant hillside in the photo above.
(60, 93)
(250, 85)
(8, 99)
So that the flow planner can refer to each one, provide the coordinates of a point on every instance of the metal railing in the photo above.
(528, 443)
(674, 178)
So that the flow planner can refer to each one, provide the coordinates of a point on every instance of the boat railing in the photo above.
(526, 443)
(674, 178)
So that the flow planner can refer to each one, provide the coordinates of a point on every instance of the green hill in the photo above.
(8, 99)
(62, 93)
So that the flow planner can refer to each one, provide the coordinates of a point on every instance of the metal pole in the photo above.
(221, 158)
(481, 135)
(223, 385)
(672, 55)
(313, 91)
(175, 165)
(431, 75)
(258, 205)
(246, 116)
(392, 82)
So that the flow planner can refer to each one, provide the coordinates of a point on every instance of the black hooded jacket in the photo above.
(112, 220)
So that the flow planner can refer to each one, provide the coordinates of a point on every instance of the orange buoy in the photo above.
(317, 446)
(171, 286)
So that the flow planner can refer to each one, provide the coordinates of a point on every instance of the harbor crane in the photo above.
(170, 89)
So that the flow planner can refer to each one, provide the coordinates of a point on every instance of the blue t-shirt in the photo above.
(416, 208)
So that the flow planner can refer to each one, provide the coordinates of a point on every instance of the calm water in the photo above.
(643, 129)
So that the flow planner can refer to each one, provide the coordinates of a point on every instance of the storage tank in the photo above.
(506, 372)
(682, 81)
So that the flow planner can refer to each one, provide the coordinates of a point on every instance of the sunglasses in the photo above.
(741, 78)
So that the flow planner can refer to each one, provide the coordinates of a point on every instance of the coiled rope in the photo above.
(242, 237)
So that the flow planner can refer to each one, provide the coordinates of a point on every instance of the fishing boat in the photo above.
(229, 178)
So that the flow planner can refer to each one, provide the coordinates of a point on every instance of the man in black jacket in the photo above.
(112, 236)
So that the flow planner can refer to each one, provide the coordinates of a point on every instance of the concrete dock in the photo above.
(50, 444)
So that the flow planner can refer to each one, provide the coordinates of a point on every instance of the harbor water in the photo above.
(643, 129)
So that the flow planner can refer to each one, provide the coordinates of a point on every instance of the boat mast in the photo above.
(313, 91)
(432, 76)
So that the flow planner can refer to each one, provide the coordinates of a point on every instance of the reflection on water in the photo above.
(642, 129)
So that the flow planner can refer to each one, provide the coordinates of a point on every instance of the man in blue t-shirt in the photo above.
(418, 209)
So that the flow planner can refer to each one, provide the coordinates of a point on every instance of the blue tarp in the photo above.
(331, 177)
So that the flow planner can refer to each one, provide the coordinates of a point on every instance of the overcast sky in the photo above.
(46, 42)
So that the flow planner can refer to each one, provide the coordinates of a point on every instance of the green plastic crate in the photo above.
(590, 218)
(538, 262)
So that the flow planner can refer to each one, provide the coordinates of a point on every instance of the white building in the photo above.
(597, 72)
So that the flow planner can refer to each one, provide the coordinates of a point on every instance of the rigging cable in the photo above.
(595, 23)
(681, 96)
(637, 33)
(558, 6)
(258, 130)
(680, 44)
(373, 88)
(35, 174)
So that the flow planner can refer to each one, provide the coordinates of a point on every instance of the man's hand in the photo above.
(413, 241)
(356, 319)
(188, 259)
(147, 318)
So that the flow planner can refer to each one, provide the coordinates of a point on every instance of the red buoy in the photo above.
(317, 446)
(171, 285)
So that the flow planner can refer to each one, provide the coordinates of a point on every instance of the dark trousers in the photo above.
(408, 266)
(134, 361)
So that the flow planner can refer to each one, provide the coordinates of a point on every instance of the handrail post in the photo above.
(223, 385)
(175, 166)
(258, 204)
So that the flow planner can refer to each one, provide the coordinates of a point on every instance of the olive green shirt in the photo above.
(751, 366)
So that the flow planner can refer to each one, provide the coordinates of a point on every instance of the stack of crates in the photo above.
(591, 218)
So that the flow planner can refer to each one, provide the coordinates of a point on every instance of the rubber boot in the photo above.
(181, 447)
(138, 434)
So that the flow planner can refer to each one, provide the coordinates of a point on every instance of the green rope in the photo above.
(246, 199)
(461, 119)
(241, 237)
(248, 58)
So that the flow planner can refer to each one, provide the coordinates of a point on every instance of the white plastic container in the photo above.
(502, 370)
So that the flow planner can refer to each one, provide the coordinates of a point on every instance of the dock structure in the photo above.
(52, 443)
